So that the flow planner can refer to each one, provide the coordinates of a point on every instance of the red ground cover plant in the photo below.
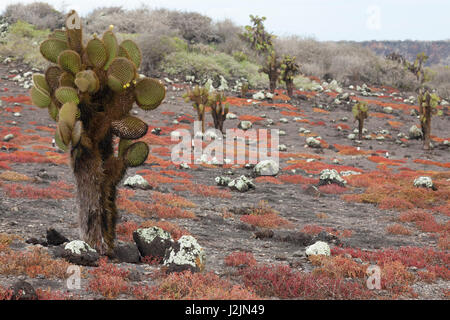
(264, 216)
(251, 118)
(316, 167)
(316, 229)
(15, 190)
(32, 263)
(193, 286)
(24, 157)
(267, 179)
(172, 200)
(240, 259)
(433, 163)
(5, 294)
(283, 282)
(386, 161)
(398, 229)
(48, 294)
(203, 190)
(108, 280)
(337, 267)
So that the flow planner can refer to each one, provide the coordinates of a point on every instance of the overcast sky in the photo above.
(322, 19)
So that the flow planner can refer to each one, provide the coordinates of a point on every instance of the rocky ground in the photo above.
(218, 226)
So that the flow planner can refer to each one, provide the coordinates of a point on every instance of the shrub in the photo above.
(398, 229)
(188, 286)
(108, 280)
(40, 14)
(240, 259)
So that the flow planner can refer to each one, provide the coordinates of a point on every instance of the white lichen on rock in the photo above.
(190, 253)
(149, 234)
(312, 142)
(423, 182)
(318, 248)
(331, 175)
(78, 247)
(137, 181)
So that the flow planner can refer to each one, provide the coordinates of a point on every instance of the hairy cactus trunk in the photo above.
(290, 88)
(426, 129)
(360, 128)
(273, 82)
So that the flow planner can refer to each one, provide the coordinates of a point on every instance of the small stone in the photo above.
(313, 143)
(424, 182)
(8, 137)
(245, 125)
(266, 168)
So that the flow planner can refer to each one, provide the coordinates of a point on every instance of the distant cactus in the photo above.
(360, 112)
(272, 68)
(218, 111)
(199, 97)
(289, 69)
(259, 39)
(90, 91)
(427, 107)
(417, 68)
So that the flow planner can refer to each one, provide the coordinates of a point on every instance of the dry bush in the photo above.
(441, 80)
(40, 14)
(193, 27)
(124, 21)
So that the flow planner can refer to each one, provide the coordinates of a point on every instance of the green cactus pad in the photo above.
(64, 132)
(115, 84)
(76, 133)
(136, 154)
(74, 34)
(51, 48)
(112, 47)
(53, 111)
(133, 52)
(149, 93)
(70, 61)
(129, 128)
(67, 94)
(59, 141)
(39, 97)
(68, 114)
(52, 76)
(123, 70)
(96, 52)
(123, 146)
(87, 80)
(58, 34)
(40, 82)
(66, 80)
(123, 53)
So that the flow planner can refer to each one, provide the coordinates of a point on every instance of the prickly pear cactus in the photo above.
(360, 112)
(289, 69)
(218, 110)
(272, 68)
(428, 103)
(89, 92)
(199, 97)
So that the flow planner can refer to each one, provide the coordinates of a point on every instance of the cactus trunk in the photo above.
(426, 129)
(290, 88)
(360, 128)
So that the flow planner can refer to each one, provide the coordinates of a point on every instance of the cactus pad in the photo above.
(129, 128)
(149, 93)
(39, 97)
(64, 132)
(52, 76)
(96, 52)
(66, 80)
(68, 114)
(136, 154)
(76, 133)
(123, 70)
(59, 141)
(123, 146)
(88, 81)
(133, 52)
(67, 94)
(112, 47)
(51, 48)
(40, 82)
(58, 34)
(53, 111)
(70, 61)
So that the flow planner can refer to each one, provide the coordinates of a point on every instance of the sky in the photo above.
(324, 20)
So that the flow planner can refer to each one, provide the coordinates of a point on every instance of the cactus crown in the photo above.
(428, 101)
(289, 68)
(360, 110)
(99, 80)
(259, 39)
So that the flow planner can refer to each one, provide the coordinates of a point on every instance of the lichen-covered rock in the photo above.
(22, 290)
(126, 252)
(137, 182)
(241, 184)
(185, 254)
(312, 142)
(245, 125)
(318, 248)
(259, 96)
(282, 147)
(415, 132)
(152, 242)
(266, 168)
(424, 182)
(231, 116)
(80, 253)
(223, 181)
(329, 176)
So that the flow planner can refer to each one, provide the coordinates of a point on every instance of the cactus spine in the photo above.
(90, 91)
